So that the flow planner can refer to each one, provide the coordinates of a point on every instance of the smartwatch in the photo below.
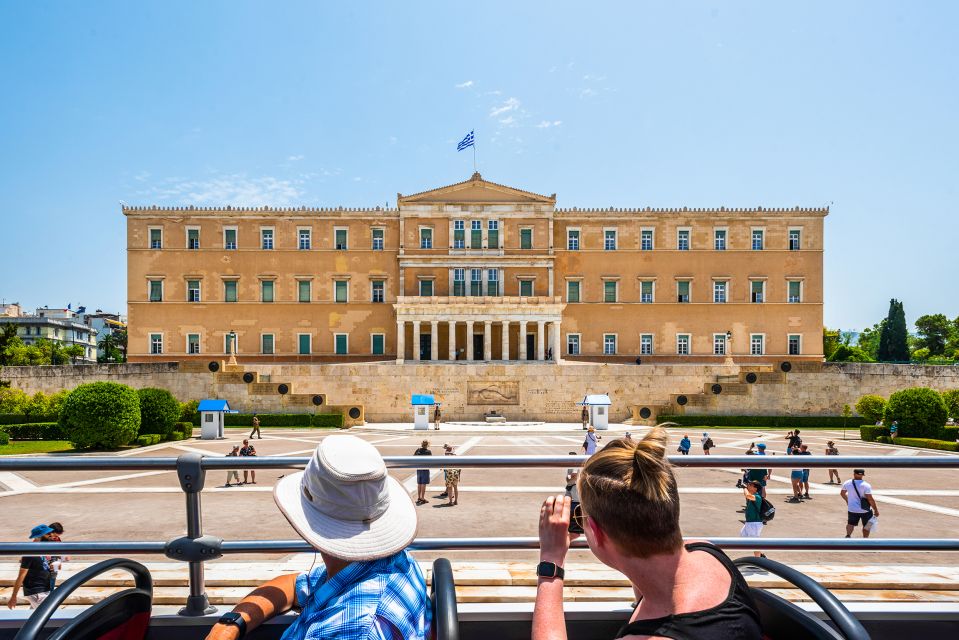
(234, 618)
(549, 570)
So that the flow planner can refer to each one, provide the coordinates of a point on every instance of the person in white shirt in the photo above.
(858, 494)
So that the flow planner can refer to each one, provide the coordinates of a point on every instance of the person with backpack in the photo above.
(707, 444)
(753, 526)
(860, 504)
(685, 445)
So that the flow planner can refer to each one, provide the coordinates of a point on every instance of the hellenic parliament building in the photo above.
(475, 271)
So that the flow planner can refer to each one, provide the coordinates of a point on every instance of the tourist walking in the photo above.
(233, 474)
(804, 451)
(893, 430)
(256, 427)
(589, 444)
(795, 476)
(758, 476)
(860, 504)
(248, 450)
(452, 477)
(794, 441)
(753, 526)
(56, 562)
(584, 416)
(34, 574)
(707, 443)
(437, 417)
(422, 475)
(685, 445)
(831, 450)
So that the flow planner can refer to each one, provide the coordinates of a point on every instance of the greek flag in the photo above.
(465, 142)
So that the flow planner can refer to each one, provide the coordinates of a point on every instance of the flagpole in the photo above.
(474, 154)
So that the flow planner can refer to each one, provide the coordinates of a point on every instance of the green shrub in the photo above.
(920, 412)
(845, 353)
(56, 402)
(35, 431)
(951, 398)
(884, 439)
(328, 420)
(871, 433)
(928, 443)
(920, 355)
(188, 412)
(4, 438)
(871, 407)
(13, 400)
(184, 427)
(177, 435)
(148, 439)
(787, 422)
(19, 418)
(159, 411)
(101, 414)
(950, 434)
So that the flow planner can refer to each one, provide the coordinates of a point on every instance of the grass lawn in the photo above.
(20, 447)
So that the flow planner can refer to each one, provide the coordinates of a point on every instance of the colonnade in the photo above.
(485, 328)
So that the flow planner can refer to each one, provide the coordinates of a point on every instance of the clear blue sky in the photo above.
(847, 104)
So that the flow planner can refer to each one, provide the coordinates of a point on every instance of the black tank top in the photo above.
(735, 618)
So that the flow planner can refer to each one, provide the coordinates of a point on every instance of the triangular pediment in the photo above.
(475, 191)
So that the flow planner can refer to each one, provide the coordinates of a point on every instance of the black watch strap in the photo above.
(234, 618)
(550, 570)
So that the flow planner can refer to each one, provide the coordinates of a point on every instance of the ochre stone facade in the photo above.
(475, 271)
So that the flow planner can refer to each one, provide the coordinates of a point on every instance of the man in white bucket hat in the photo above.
(360, 520)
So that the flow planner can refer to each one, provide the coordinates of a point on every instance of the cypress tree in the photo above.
(893, 340)
(883, 354)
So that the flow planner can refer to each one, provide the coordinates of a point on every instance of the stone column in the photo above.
(487, 340)
(557, 342)
(522, 340)
(416, 340)
(469, 339)
(434, 339)
(452, 324)
(505, 341)
(540, 339)
(400, 341)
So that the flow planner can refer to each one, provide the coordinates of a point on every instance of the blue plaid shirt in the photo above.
(382, 599)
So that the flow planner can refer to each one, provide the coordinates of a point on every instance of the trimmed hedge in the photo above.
(871, 407)
(949, 434)
(928, 443)
(159, 411)
(328, 420)
(148, 439)
(870, 432)
(951, 398)
(787, 422)
(281, 420)
(920, 412)
(101, 414)
(19, 418)
(4, 438)
(35, 431)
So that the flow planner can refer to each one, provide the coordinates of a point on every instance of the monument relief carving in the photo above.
(489, 392)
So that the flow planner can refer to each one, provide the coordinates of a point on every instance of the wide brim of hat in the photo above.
(391, 532)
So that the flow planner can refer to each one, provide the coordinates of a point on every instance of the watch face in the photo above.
(231, 617)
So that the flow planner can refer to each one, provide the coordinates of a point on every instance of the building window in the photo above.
(719, 242)
(377, 344)
(476, 282)
(609, 344)
(156, 238)
(304, 290)
(646, 344)
(192, 290)
(426, 238)
(526, 288)
(266, 291)
(459, 282)
(304, 239)
(304, 344)
(156, 290)
(572, 239)
(609, 240)
(266, 344)
(795, 342)
(156, 343)
(682, 344)
(525, 238)
(795, 239)
(341, 291)
(719, 291)
(193, 343)
(229, 291)
(719, 344)
(758, 239)
(682, 291)
(340, 237)
(609, 290)
(341, 344)
(193, 239)
(379, 291)
(757, 290)
(492, 234)
(572, 344)
(476, 234)
(756, 345)
(646, 291)
(572, 291)
(426, 288)
(459, 234)
(377, 239)
(682, 240)
(492, 282)
(646, 240)
(795, 291)
(229, 239)
(266, 239)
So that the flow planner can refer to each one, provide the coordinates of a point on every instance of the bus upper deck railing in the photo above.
(195, 548)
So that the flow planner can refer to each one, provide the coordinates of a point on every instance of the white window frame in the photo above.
(532, 287)
(426, 242)
(264, 281)
(372, 338)
(335, 280)
(531, 235)
(373, 284)
(762, 238)
(309, 350)
(150, 282)
(263, 242)
(236, 238)
(187, 231)
(684, 347)
(150, 231)
(461, 271)
(689, 238)
(373, 238)
(571, 339)
(419, 287)
(299, 238)
(689, 292)
(346, 239)
(459, 225)
(607, 233)
(762, 293)
(646, 341)
(199, 341)
(801, 291)
(199, 289)
(299, 283)
(476, 225)
(725, 232)
(717, 290)
(798, 337)
(579, 285)
(473, 272)
(789, 239)
(615, 342)
(345, 335)
(652, 238)
(493, 225)
(615, 291)
(492, 275)
(272, 344)
(761, 341)
(154, 349)
(652, 293)
(569, 239)
(720, 344)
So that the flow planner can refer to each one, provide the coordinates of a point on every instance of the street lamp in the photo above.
(232, 345)
(729, 354)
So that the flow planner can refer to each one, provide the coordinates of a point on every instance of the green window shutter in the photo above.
(267, 344)
(526, 288)
(492, 239)
(229, 239)
(341, 238)
(525, 238)
(156, 239)
(304, 344)
(476, 239)
(340, 345)
(156, 291)
(609, 291)
(572, 291)
(647, 287)
(229, 291)
(340, 291)
(683, 287)
(378, 346)
(794, 288)
(304, 291)
(266, 291)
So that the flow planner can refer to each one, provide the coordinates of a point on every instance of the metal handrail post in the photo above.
(191, 475)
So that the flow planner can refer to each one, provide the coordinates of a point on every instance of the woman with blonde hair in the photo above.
(629, 509)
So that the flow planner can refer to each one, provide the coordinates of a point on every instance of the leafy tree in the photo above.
(935, 332)
(37, 406)
(830, 341)
(920, 355)
(73, 352)
(869, 339)
(7, 335)
(101, 414)
(110, 345)
(871, 407)
(951, 398)
(13, 400)
(894, 339)
(22, 355)
(845, 353)
(920, 412)
(56, 402)
(159, 411)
